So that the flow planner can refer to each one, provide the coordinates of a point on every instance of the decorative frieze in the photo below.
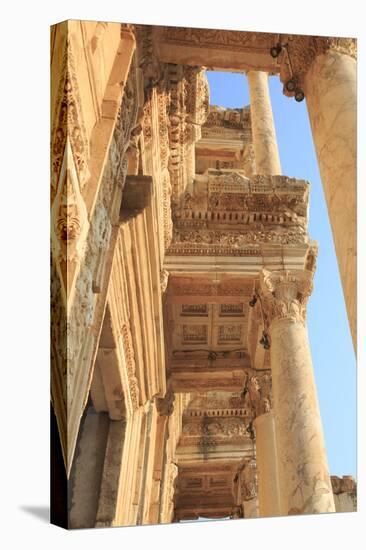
(227, 428)
(216, 38)
(130, 365)
(238, 213)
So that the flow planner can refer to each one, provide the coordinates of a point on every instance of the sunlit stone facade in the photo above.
(182, 380)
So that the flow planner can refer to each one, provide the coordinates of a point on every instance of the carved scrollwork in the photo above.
(69, 124)
(233, 40)
(284, 294)
(130, 366)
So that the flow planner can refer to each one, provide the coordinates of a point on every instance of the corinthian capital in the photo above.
(284, 294)
(298, 53)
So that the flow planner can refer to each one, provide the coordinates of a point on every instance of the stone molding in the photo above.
(232, 40)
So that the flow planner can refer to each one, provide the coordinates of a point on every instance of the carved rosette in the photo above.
(303, 50)
(284, 295)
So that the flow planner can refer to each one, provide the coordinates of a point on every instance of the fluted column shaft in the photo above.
(267, 471)
(305, 486)
(267, 158)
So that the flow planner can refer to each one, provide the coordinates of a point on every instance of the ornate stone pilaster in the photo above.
(325, 69)
(267, 158)
(302, 462)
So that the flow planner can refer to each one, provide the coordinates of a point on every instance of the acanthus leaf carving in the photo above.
(284, 294)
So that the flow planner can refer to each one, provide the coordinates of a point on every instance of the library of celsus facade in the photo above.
(182, 380)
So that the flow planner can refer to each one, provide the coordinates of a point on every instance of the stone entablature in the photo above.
(226, 141)
(228, 213)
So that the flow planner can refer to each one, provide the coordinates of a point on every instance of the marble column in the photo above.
(267, 158)
(305, 486)
(331, 96)
(326, 70)
(267, 472)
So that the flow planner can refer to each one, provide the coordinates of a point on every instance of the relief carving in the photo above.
(69, 124)
(303, 50)
(211, 427)
(258, 393)
(233, 40)
(248, 480)
(130, 365)
(284, 294)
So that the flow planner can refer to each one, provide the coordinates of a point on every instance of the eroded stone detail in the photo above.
(285, 295)
(258, 392)
(69, 124)
(303, 50)
(238, 40)
(130, 364)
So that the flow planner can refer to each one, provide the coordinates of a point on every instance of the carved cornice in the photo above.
(284, 295)
(299, 53)
(237, 214)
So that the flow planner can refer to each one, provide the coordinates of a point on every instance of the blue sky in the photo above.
(330, 338)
